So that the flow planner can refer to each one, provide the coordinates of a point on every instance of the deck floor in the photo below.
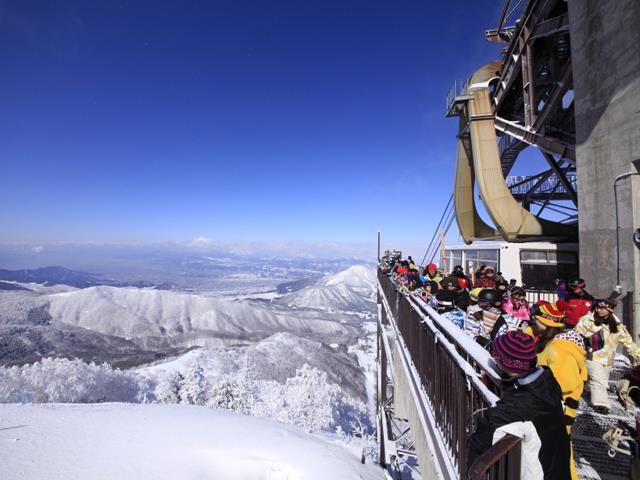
(591, 452)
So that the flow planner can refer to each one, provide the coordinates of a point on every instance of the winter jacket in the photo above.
(530, 408)
(566, 356)
(488, 318)
(472, 327)
(450, 280)
(516, 309)
(485, 282)
(603, 342)
(435, 278)
(457, 316)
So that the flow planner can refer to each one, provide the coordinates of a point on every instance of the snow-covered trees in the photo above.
(310, 399)
(194, 387)
(237, 392)
(168, 388)
(222, 395)
(63, 380)
(306, 399)
(244, 397)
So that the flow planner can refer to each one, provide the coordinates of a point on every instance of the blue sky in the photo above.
(148, 121)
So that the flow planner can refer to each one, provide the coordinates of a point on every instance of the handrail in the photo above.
(471, 351)
(456, 386)
(495, 454)
(464, 365)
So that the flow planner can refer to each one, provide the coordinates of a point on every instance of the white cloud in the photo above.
(199, 242)
(37, 249)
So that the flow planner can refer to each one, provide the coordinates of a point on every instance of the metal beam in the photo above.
(546, 202)
(513, 56)
(528, 179)
(561, 173)
(528, 92)
(551, 26)
(540, 181)
(561, 87)
(547, 144)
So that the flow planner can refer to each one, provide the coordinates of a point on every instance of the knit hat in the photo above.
(432, 267)
(574, 310)
(550, 315)
(515, 351)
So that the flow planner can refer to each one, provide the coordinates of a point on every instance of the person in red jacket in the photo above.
(488, 279)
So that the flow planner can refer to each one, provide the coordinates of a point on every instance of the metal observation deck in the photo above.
(429, 387)
(434, 383)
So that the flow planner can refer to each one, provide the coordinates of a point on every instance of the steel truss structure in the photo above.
(534, 104)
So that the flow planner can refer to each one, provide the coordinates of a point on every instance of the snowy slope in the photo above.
(357, 277)
(331, 298)
(135, 313)
(138, 442)
(348, 291)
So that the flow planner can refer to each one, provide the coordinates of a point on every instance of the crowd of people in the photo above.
(547, 353)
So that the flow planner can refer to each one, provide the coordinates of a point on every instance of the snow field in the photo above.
(138, 442)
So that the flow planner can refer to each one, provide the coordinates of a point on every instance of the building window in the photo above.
(540, 268)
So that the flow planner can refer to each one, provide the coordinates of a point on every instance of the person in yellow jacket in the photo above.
(565, 354)
(604, 332)
(562, 349)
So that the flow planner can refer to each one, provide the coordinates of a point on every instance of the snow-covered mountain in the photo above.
(357, 277)
(36, 322)
(147, 316)
(351, 290)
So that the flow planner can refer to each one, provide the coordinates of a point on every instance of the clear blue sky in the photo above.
(271, 121)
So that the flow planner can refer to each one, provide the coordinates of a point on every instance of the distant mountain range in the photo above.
(62, 276)
(103, 320)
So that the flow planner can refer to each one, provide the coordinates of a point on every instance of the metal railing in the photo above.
(521, 185)
(500, 462)
(453, 384)
(536, 295)
(458, 88)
